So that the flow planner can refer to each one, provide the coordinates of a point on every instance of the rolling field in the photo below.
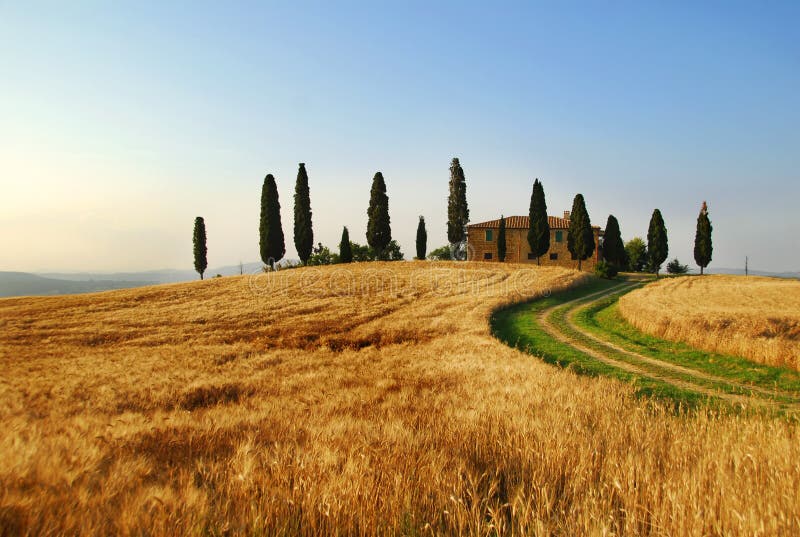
(753, 317)
(355, 400)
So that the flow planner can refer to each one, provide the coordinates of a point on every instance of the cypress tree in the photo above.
(200, 250)
(501, 240)
(422, 238)
(539, 227)
(270, 231)
(657, 248)
(345, 249)
(580, 237)
(379, 232)
(702, 239)
(613, 247)
(303, 232)
(457, 210)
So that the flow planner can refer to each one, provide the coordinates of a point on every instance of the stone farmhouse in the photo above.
(482, 242)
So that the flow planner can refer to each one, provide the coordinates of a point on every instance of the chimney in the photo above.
(566, 215)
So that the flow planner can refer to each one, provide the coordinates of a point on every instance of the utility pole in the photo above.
(745, 265)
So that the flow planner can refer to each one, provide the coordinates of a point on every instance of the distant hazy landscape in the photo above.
(62, 283)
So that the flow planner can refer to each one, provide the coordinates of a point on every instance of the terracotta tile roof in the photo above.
(523, 222)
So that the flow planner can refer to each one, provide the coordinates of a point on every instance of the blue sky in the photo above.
(121, 122)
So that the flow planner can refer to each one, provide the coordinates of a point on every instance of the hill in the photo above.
(353, 400)
(753, 317)
(155, 276)
(740, 272)
(24, 284)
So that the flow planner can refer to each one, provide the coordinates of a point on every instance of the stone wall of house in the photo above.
(517, 248)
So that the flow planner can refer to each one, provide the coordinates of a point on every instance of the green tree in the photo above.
(580, 237)
(501, 240)
(270, 230)
(675, 267)
(422, 238)
(606, 270)
(636, 254)
(392, 252)
(379, 232)
(457, 210)
(702, 239)
(365, 252)
(657, 247)
(345, 251)
(442, 253)
(362, 252)
(322, 255)
(613, 248)
(539, 230)
(200, 249)
(303, 232)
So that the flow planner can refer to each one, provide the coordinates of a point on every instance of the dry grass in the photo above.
(218, 408)
(753, 317)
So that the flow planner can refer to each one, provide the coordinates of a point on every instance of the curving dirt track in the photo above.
(612, 354)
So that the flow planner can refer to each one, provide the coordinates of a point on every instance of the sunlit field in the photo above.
(368, 399)
(754, 317)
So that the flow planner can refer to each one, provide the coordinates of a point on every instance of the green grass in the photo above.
(517, 326)
(604, 320)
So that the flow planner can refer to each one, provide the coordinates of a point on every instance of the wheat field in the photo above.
(369, 399)
(754, 317)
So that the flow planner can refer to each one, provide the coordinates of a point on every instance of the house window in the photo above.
(531, 257)
(559, 236)
(487, 255)
(488, 235)
(553, 257)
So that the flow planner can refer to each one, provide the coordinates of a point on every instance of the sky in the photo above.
(122, 121)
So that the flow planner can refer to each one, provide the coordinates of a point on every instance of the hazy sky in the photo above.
(122, 121)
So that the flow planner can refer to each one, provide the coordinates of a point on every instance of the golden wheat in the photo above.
(361, 400)
(753, 317)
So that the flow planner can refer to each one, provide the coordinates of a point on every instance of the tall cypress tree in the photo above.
(200, 250)
(303, 232)
(345, 249)
(702, 239)
(379, 232)
(501, 240)
(657, 248)
(613, 247)
(580, 237)
(271, 240)
(422, 238)
(539, 227)
(457, 210)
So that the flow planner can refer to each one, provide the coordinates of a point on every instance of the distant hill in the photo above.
(25, 284)
(787, 274)
(153, 276)
(63, 283)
